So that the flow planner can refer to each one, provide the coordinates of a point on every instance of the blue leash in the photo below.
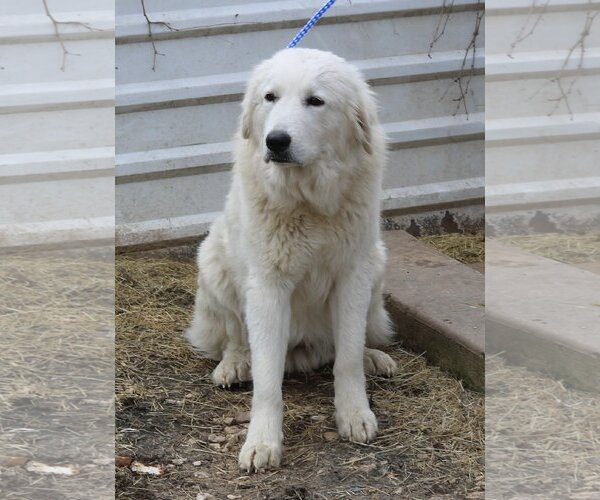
(312, 21)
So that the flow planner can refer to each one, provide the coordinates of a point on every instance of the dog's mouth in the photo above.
(281, 159)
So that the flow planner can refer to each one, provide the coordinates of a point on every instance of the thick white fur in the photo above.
(290, 277)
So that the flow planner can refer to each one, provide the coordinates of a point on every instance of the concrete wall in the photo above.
(56, 122)
(178, 94)
(542, 144)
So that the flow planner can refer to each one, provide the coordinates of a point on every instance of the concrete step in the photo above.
(437, 304)
(543, 314)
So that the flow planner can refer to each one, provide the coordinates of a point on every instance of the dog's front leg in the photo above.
(354, 418)
(268, 313)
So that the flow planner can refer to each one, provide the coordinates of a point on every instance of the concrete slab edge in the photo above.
(439, 346)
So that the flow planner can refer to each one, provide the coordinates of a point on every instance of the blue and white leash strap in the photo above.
(312, 21)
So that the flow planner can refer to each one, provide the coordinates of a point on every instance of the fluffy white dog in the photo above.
(290, 276)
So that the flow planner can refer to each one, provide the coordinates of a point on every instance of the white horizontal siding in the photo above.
(175, 123)
(253, 16)
(206, 158)
(230, 87)
(542, 149)
(57, 124)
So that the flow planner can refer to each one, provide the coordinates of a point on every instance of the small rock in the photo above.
(13, 461)
(201, 475)
(233, 497)
(331, 436)
(179, 461)
(197, 463)
(368, 468)
(42, 468)
(216, 438)
(242, 417)
(121, 461)
(204, 496)
(228, 420)
(150, 470)
(215, 446)
(231, 430)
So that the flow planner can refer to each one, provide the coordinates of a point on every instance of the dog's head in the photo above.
(305, 107)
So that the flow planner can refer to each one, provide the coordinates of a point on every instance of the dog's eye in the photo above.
(270, 97)
(315, 101)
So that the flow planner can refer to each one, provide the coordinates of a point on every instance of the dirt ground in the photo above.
(170, 415)
(56, 374)
(569, 248)
(542, 438)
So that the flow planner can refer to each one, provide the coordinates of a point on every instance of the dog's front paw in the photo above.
(260, 455)
(357, 425)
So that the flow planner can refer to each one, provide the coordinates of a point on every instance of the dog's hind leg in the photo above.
(378, 363)
(379, 325)
(379, 333)
(207, 333)
(379, 329)
(217, 333)
(217, 328)
(234, 367)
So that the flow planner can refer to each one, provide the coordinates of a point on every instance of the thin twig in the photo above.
(464, 90)
(580, 43)
(150, 23)
(440, 28)
(463, 81)
(56, 24)
(522, 35)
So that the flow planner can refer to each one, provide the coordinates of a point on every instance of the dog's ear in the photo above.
(250, 101)
(365, 113)
(248, 105)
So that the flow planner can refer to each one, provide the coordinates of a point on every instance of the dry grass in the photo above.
(567, 248)
(56, 373)
(542, 439)
(466, 248)
(169, 413)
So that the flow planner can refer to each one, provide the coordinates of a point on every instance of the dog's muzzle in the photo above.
(278, 141)
(278, 145)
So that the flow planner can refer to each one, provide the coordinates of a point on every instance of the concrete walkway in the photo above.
(543, 314)
(438, 306)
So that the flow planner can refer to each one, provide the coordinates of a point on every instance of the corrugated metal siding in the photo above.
(542, 154)
(174, 122)
(56, 123)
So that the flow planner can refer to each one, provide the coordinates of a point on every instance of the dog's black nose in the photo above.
(278, 141)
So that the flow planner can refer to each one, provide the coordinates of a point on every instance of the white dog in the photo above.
(290, 277)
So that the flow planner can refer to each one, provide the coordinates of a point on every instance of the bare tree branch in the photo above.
(472, 48)
(523, 35)
(440, 28)
(56, 24)
(150, 23)
(565, 92)
(464, 75)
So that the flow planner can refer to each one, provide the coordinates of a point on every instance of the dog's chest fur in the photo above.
(297, 241)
